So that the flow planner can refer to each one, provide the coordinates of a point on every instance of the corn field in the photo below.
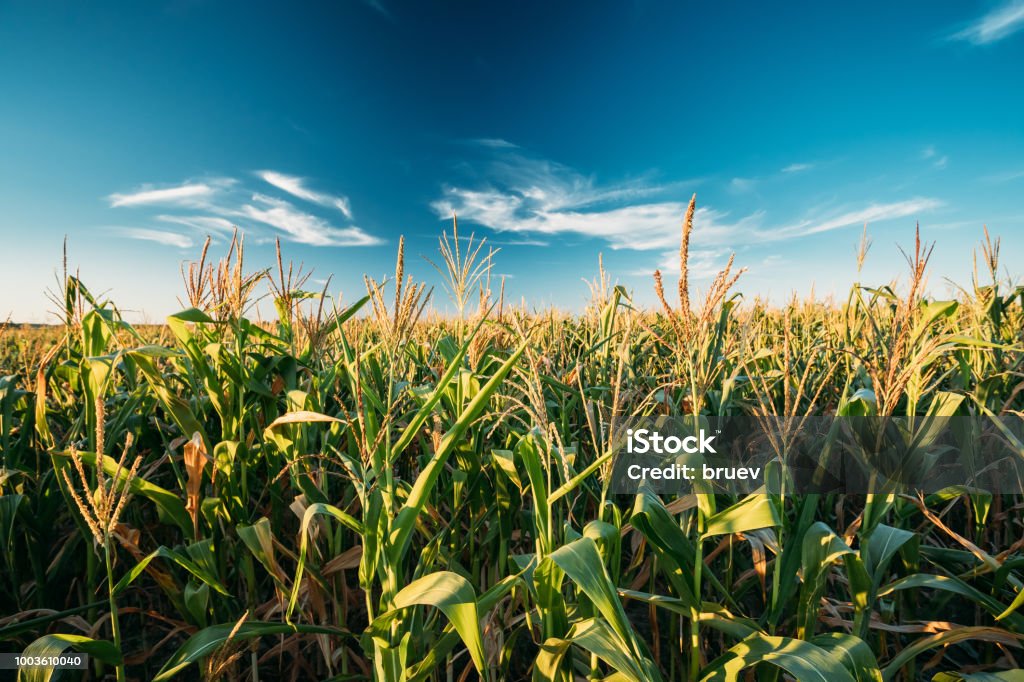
(370, 490)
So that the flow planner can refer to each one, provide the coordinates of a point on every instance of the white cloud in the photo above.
(741, 185)
(870, 214)
(494, 143)
(701, 264)
(205, 224)
(523, 242)
(707, 262)
(303, 227)
(216, 206)
(715, 245)
(159, 236)
(930, 153)
(641, 226)
(296, 187)
(797, 167)
(1000, 23)
(532, 213)
(188, 195)
(538, 198)
(544, 197)
(379, 7)
(953, 225)
(519, 241)
(1007, 176)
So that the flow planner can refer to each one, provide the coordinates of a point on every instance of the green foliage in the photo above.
(354, 492)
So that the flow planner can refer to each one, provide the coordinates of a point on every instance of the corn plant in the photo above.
(370, 489)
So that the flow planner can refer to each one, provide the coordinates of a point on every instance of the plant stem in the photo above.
(115, 624)
(698, 565)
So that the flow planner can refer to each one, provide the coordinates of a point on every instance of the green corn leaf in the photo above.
(752, 512)
(485, 603)
(177, 408)
(821, 547)
(885, 541)
(312, 511)
(596, 637)
(803, 660)
(259, 538)
(16, 627)
(674, 549)
(853, 652)
(711, 614)
(421, 416)
(959, 587)
(454, 596)
(582, 563)
(405, 521)
(944, 639)
(54, 645)
(174, 557)
(1018, 601)
(207, 641)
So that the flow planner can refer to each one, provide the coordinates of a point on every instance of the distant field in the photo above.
(370, 491)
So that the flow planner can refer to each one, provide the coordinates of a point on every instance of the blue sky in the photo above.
(556, 130)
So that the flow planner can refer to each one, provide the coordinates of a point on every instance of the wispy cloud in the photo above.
(640, 226)
(296, 186)
(519, 241)
(203, 224)
(217, 206)
(929, 153)
(701, 264)
(303, 227)
(953, 225)
(187, 195)
(524, 242)
(742, 185)
(1000, 23)
(1008, 176)
(539, 198)
(378, 6)
(873, 213)
(545, 198)
(159, 236)
(797, 167)
(494, 143)
(715, 246)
